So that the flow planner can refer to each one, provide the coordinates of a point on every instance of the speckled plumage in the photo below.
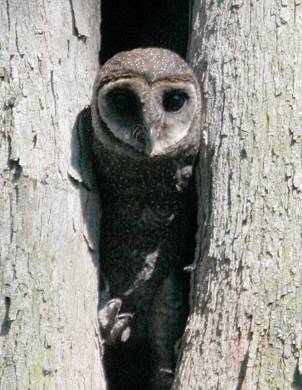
(147, 216)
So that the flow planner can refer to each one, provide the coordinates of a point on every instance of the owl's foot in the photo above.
(190, 268)
(114, 326)
(163, 379)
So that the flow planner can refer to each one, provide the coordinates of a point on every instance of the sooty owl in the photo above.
(146, 134)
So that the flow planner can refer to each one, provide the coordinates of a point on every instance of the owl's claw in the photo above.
(190, 268)
(163, 379)
(114, 326)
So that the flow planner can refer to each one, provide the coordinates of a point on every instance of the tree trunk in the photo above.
(244, 330)
(48, 256)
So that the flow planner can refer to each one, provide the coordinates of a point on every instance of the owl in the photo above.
(145, 112)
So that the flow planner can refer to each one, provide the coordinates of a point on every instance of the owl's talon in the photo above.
(114, 326)
(120, 331)
(109, 312)
(190, 268)
(125, 315)
(163, 379)
(115, 303)
(166, 371)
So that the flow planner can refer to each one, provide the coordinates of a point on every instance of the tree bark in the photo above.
(48, 257)
(244, 330)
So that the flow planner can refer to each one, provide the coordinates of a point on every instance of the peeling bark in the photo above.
(49, 215)
(244, 330)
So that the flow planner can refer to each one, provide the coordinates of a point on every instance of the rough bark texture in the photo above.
(48, 257)
(244, 331)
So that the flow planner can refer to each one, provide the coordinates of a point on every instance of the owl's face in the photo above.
(148, 111)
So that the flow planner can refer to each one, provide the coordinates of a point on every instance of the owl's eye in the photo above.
(173, 101)
(122, 100)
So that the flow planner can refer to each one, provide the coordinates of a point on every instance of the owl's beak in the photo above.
(151, 138)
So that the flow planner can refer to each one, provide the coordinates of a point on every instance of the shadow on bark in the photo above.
(83, 178)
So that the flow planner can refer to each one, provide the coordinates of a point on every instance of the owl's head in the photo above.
(147, 100)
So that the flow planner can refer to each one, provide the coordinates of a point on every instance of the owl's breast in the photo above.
(120, 173)
(147, 207)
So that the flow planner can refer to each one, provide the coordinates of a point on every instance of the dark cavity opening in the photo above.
(135, 23)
